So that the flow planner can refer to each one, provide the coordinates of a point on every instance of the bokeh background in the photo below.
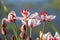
(50, 6)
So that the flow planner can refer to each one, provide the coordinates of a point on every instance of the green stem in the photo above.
(6, 37)
(26, 29)
(53, 27)
(44, 25)
(22, 39)
(30, 31)
(16, 29)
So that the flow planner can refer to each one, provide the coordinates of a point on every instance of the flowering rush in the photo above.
(48, 36)
(11, 15)
(28, 17)
(45, 17)
(32, 20)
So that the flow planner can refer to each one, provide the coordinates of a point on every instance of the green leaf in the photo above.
(4, 7)
(53, 27)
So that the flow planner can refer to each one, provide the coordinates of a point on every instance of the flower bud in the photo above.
(13, 37)
(11, 16)
(37, 38)
(3, 31)
(43, 15)
(22, 35)
(3, 23)
(23, 28)
(28, 38)
(25, 13)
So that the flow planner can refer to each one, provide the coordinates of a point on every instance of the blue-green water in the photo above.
(33, 6)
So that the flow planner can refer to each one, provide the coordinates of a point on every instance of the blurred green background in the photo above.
(50, 6)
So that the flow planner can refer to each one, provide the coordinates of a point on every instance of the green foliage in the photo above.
(53, 27)
(4, 7)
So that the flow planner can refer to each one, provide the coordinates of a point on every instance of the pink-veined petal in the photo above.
(49, 36)
(23, 22)
(10, 18)
(4, 19)
(33, 22)
(51, 17)
(33, 15)
(38, 18)
(11, 15)
(44, 18)
(19, 18)
(57, 35)
(43, 13)
(46, 35)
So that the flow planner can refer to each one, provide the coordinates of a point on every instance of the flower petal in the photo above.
(33, 15)
(25, 13)
(49, 36)
(57, 35)
(4, 19)
(33, 22)
(11, 15)
(46, 35)
(51, 17)
(23, 22)
(19, 18)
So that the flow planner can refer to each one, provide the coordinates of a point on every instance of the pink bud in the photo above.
(22, 35)
(3, 31)
(11, 16)
(43, 13)
(28, 38)
(13, 37)
(23, 28)
(25, 13)
(3, 23)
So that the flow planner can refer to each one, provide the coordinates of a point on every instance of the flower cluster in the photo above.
(30, 20)
(48, 36)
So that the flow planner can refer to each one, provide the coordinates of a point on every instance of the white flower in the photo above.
(26, 16)
(33, 22)
(46, 17)
(48, 36)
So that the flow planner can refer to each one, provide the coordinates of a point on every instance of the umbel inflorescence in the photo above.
(30, 20)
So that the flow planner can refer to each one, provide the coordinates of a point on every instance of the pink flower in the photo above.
(26, 16)
(55, 37)
(48, 36)
(11, 15)
(25, 13)
(46, 17)
(33, 22)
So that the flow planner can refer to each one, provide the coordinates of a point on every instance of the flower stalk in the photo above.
(26, 29)
(6, 37)
(16, 29)
(44, 25)
(30, 32)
